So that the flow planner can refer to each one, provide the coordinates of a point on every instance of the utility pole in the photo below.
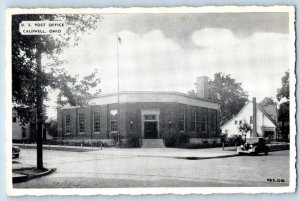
(39, 109)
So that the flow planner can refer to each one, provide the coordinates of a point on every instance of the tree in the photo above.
(267, 101)
(27, 49)
(51, 126)
(283, 95)
(192, 93)
(29, 81)
(244, 128)
(77, 91)
(228, 93)
(284, 91)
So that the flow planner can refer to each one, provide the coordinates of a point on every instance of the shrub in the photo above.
(179, 140)
(114, 137)
(132, 141)
(170, 141)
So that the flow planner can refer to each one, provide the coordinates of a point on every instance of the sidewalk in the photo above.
(58, 147)
(145, 152)
(192, 154)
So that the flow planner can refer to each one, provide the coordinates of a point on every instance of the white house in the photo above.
(262, 124)
(25, 133)
(20, 132)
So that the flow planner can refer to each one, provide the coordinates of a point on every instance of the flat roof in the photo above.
(154, 92)
(149, 97)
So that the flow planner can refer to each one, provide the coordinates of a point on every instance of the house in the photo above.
(263, 120)
(149, 115)
(21, 133)
(25, 132)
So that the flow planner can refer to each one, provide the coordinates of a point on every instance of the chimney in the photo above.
(254, 133)
(202, 86)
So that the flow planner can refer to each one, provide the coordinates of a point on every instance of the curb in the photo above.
(192, 157)
(58, 148)
(23, 177)
(18, 178)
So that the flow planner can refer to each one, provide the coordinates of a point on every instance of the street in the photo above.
(100, 169)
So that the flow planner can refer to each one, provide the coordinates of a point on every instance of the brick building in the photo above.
(150, 115)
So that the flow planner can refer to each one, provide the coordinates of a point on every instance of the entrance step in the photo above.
(153, 143)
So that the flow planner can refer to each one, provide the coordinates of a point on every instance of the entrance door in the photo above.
(150, 130)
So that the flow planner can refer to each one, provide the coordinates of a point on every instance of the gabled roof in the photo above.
(258, 106)
(266, 114)
(271, 110)
(236, 114)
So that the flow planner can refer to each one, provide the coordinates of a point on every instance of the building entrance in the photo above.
(150, 130)
(150, 123)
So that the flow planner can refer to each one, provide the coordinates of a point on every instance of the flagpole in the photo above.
(118, 89)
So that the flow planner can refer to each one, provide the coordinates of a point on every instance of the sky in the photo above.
(166, 52)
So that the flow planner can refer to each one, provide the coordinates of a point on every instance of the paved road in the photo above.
(97, 169)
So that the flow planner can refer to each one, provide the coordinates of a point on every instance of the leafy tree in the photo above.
(244, 128)
(192, 93)
(30, 83)
(51, 126)
(26, 49)
(267, 101)
(229, 93)
(284, 91)
(283, 95)
(77, 91)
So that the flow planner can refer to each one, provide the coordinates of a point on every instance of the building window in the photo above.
(194, 121)
(23, 132)
(251, 120)
(150, 117)
(181, 121)
(213, 123)
(235, 122)
(203, 123)
(114, 120)
(67, 124)
(81, 122)
(96, 122)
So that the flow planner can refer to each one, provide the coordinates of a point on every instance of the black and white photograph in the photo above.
(150, 100)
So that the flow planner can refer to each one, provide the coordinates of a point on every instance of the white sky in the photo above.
(167, 53)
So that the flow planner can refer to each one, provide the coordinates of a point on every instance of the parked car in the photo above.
(15, 151)
(254, 145)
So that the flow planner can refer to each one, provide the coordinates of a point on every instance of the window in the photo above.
(114, 120)
(251, 120)
(203, 122)
(23, 132)
(14, 117)
(150, 117)
(67, 124)
(181, 121)
(241, 121)
(235, 122)
(96, 122)
(81, 122)
(194, 121)
(213, 123)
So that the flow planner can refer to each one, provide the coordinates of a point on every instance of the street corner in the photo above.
(27, 173)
